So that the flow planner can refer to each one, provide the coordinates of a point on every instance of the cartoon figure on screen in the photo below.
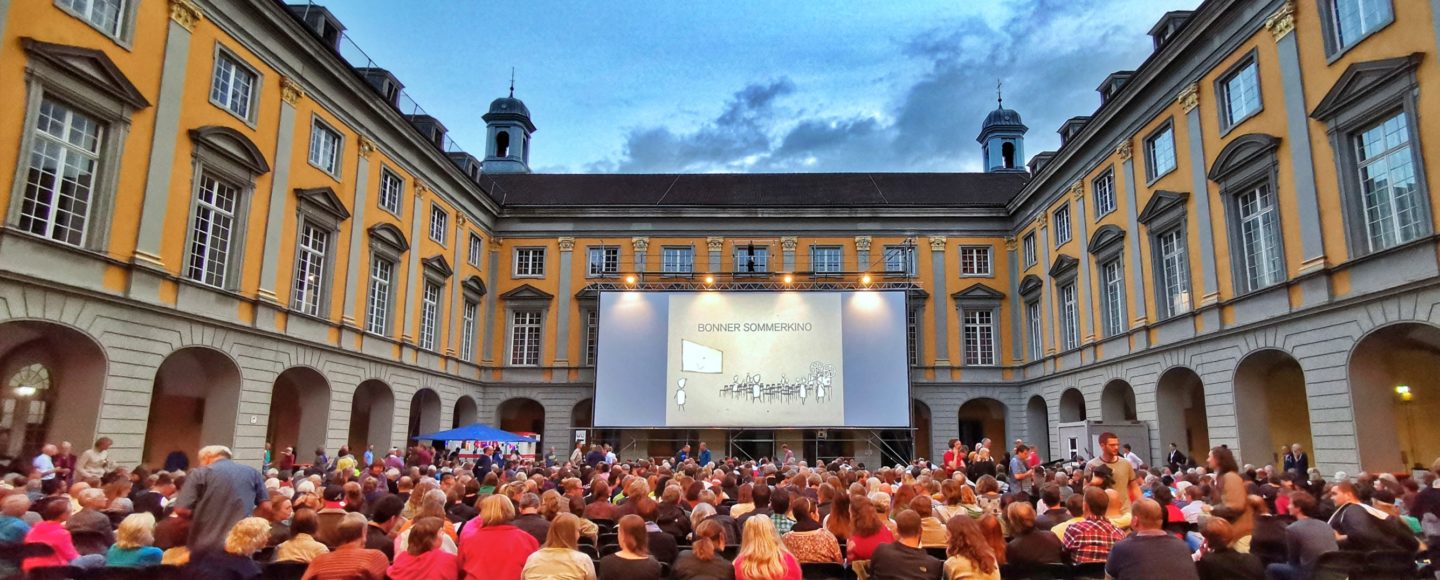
(821, 374)
(680, 393)
(754, 386)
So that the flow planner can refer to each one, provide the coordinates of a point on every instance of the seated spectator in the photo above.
(530, 519)
(560, 558)
(1031, 545)
(838, 521)
(385, 515)
(237, 561)
(633, 561)
(745, 501)
(807, 540)
(91, 519)
(671, 516)
(350, 560)
(932, 530)
(1055, 511)
(1090, 539)
(1194, 506)
(969, 555)
(1364, 528)
(661, 545)
(994, 534)
(496, 549)
(780, 512)
(703, 559)
(431, 506)
(867, 529)
(54, 512)
(904, 558)
(969, 504)
(133, 541)
(279, 510)
(1305, 540)
(599, 507)
(12, 518)
(302, 545)
(423, 559)
(762, 555)
(1149, 554)
(1221, 562)
(171, 535)
(327, 519)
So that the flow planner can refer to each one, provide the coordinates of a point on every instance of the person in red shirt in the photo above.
(498, 550)
(51, 532)
(954, 458)
(868, 530)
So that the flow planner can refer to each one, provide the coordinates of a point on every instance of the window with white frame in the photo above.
(525, 338)
(1036, 330)
(912, 335)
(900, 260)
(60, 180)
(603, 261)
(752, 258)
(1160, 152)
(310, 264)
(232, 86)
(1259, 237)
(467, 330)
(979, 337)
(1239, 93)
(1104, 192)
(677, 260)
(108, 16)
(1069, 318)
(1350, 21)
(1112, 290)
(1174, 272)
(392, 189)
(1062, 225)
(975, 261)
(439, 223)
(475, 251)
(325, 146)
(826, 259)
(1028, 249)
(529, 262)
(377, 304)
(1393, 210)
(592, 336)
(429, 315)
(212, 231)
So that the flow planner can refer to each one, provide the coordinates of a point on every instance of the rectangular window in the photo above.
(211, 231)
(603, 261)
(1259, 238)
(1393, 211)
(1174, 273)
(900, 260)
(106, 15)
(912, 335)
(429, 315)
(1069, 318)
(1036, 332)
(60, 181)
(530, 262)
(392, 188)
(974, 260)
(592, 336)
(1062, 225)
(325, 148)
(233, 86)
(525, 338)
(1104, 187)
(752, 258)
(677, 260)
(826, 259)
(979, 337)
(439, 223)
(467, 331)
(310, 268)
(377, 307)
(1160, 153)
(1029, 249)
(1352, 20)
(476, 250)
(1112, 284)
(1239, 94)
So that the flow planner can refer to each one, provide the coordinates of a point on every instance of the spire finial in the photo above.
(999, 99)
(512, 82)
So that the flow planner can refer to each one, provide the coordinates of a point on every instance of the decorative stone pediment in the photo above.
(1242, 152)
(232, 145)
(1105, 238)
(388, 237)
(1063, 266)
(324, 200)
(527, 293)
(978, 293)
(1030, 284)
(1162, 202)
(474, 287)
(437, 266)
(89, 65)
(1360, 79)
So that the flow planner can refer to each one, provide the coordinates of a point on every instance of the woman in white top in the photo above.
(559, 559)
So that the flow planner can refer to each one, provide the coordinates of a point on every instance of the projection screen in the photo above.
(752, 359)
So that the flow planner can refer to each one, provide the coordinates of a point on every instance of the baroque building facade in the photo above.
(226, 225)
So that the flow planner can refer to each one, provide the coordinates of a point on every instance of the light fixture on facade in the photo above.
(865, 279)
(25, 391)
(789, 278)
(709, 279)
(1404, 392)
(630, 279)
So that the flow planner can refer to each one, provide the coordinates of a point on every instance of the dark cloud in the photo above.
(1050, 54)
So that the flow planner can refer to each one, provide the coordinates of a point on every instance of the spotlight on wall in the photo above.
(789, 278)
(1404, 392)
(709, 279)
(865, 279)
(630, 279)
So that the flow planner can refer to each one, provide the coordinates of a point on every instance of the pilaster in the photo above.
(562, 301)
(941, 333)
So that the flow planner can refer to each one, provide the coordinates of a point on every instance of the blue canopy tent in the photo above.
(477, 432)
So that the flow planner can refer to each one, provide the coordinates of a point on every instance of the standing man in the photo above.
(95, 461)
(217, 495)
(1296, 460)
(596, 456)
(44, 464)
(1135, 460)
(789, 455)
(954, 458)
(704, 458)
(550, 457)
(682, 455)
(578, 454)
(65, 463)
(1034, 457)
(1125, 484)
(1176, 459)
(609, 455)
(1020, 474)
(369, 454)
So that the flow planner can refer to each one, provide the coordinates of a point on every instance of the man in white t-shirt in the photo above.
(45, 463)
(1134, 459)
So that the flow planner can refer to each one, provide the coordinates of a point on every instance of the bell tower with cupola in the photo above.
(1002, 139)
(508, 130)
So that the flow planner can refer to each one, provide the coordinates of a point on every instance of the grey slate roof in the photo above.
(756, 189)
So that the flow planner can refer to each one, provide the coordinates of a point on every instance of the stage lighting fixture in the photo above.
(630, 279)
(865, 279)
(789, 278)
(709, 279)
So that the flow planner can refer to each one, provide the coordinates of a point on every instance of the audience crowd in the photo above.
(423, 515)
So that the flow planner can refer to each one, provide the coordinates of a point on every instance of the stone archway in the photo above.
(1037, 424)
(424, 414)
(521, 415)
(194, 403)
(1072, 406)
(465, 412)
(1117, 402)
(984, 418)
(1181, 414)
(372, 417)
(1271, 408)
(49, 370)
(299, 412)
(1396, 395)
(922, 422)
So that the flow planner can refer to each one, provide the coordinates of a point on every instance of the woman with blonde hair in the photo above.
(431, 506)
(762, 555)
(237, 561)
(969, 554)
(417, 496)
(633, 561)
(492, 546)
(559, 558)
(423, 559)
(703, 559)
(133, 541)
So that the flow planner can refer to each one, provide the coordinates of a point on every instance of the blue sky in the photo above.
(750, 86)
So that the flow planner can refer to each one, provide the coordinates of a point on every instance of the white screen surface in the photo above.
(752, 359)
